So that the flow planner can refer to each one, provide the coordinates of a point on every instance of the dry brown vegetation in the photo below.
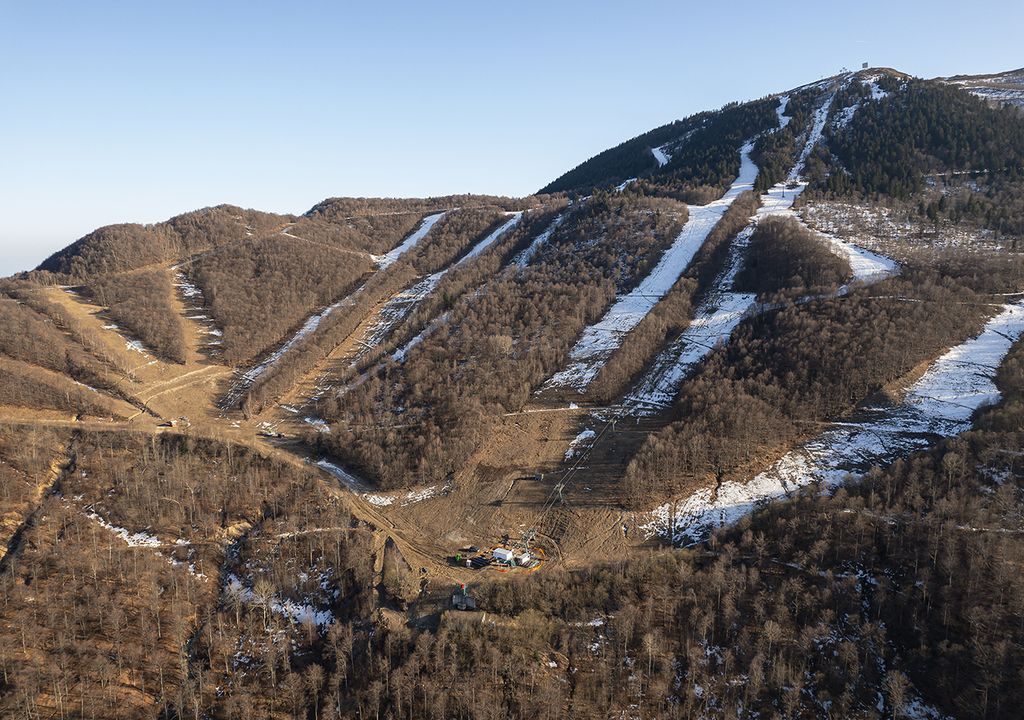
(260, 290)
(141, 303)
(50, 362)
(117, 248)
(112, 623)
(449, 239)
(416, 421)
(784, 371)
(166, 573)
(898, 586)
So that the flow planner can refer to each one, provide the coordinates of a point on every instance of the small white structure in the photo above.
(503, 555)
(524, 559)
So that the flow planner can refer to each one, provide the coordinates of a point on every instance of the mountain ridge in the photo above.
(745, 390)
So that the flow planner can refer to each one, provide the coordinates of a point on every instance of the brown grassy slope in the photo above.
(141, 302)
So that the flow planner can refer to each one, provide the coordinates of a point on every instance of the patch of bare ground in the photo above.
(169, 390)
(17, 512)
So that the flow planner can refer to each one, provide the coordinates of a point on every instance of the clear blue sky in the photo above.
(115, 112)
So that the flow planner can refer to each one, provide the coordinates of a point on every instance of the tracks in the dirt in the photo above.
(60, 467)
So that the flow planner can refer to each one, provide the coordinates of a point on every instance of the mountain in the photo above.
(1005, 88)
(723, 422)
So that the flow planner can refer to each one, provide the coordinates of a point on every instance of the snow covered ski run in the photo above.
(401, 304)
(245, 379)
(601, 339)
(940, 404)
(410, 242)
(722, 310)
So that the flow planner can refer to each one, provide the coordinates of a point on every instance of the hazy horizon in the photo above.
(140, 114)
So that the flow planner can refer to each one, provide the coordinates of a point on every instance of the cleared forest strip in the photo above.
(722, 309)
(246, 379)
(372, 332)
(206, 337)
(601, 339)
(940, 404)
(410, 242)
(62, 463)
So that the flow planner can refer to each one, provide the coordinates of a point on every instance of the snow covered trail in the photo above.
(940, 404)
(865, 266)
(380, 499)
(402, 304)
(245, 379)
(781, 109)
(195, 306)
(723, 309)
(601, 339)
(523, 259)
(410, 242)
(713, 322)
(820, 116)
(400, 353)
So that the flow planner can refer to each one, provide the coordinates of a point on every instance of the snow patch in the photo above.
(298, 613)
(661, 156)
(133, 539)
(410, 242)
(939, 404)
(580, 443)
(601, 339)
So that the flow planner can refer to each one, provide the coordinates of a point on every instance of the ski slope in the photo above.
(410, 242)
(722, 310)
(940, 404)
(713, 321)
(401, 304)
(520, 261)
(523, 259)
(661, 156)
(780, 111)
(601, 339)
(818, 126)
(245, 379)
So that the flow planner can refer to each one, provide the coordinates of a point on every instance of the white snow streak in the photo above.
(820, 116)
(661, 156)
(940, 404)
(723, 309)
(781, 109)
(401, 304)
(400, 354)
(523, 259)
(409, 243)
(133, 539)
(380, 499)
(600, 340)
(247, 378)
